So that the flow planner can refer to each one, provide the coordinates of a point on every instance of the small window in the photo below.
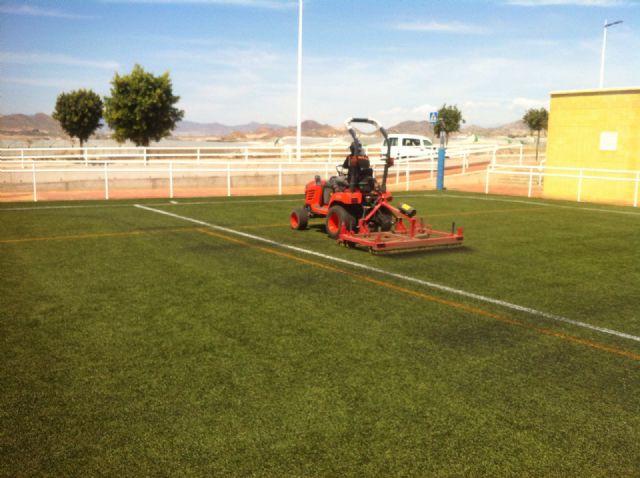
(609, 141)
(410, 142)
(392, 141)
(426, 142)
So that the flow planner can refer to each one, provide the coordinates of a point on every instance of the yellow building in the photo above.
(594, 135)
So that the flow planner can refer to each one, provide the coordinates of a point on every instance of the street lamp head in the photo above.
(607, 25)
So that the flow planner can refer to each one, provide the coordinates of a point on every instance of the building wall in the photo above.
(576, 122)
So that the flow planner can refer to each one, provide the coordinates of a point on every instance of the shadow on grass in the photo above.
(400, 254)
(413, 253)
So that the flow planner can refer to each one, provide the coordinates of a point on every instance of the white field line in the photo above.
(521, 201)
(174, 202)
(395, 275)
(77, 206)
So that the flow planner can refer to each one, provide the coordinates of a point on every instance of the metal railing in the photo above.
(38, 169)
(223, 153)
(538, 173)
(39, 172)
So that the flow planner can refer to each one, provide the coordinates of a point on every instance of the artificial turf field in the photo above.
(140, 344)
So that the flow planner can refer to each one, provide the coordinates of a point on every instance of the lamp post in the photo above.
(299, 105)
(604, 47)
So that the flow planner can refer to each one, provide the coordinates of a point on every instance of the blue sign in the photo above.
(433, 117)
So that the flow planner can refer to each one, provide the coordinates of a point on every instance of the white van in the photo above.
(408, 146)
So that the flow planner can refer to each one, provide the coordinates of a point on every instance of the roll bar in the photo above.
(371, 121)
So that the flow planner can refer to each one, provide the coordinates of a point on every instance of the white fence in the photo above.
(37, 172)
(230, 170)
(254, 153)
(535, 175)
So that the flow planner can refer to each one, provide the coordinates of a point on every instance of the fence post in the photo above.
(580, 186)
(464, 162)
(86, 157)
(280, 179)
(493, 157)
(398, 174)
(530, 180)
(33, 178)
(407, 175)
(521, 153)
(228, 178)
(198, 155)
(246, 154)
(170, 179)
(330, 153)
(106, 181)
(540, 173)
(486, 181)
(635, 195)
(144, 154)
(22, 157)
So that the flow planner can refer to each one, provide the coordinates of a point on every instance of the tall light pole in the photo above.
(299, 106)
(604, 47)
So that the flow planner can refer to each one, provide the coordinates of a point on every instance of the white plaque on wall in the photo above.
(609, 141)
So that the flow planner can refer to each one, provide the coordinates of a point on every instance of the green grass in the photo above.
(174, 352)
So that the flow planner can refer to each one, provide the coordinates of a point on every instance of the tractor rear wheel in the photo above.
(299, 219)
(337, 216)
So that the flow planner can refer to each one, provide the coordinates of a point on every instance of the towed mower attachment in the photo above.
(412, 235)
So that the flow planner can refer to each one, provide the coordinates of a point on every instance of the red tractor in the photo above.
(358, 208)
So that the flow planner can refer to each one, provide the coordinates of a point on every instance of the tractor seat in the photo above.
(360, 173)
(366, 182)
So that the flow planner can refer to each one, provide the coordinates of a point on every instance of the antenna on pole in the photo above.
(299, 103)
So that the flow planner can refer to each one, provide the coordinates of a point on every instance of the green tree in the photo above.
(537, 120)
(78, 113)
(140, 107)
(449, 119)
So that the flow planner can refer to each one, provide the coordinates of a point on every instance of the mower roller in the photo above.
(358, 209)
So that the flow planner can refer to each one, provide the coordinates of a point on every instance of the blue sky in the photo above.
(234, 61)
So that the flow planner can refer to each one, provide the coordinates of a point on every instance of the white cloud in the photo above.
(55, 59)
(450, 27)
(577, 3)
(269, 4)
(397, 114)
(41, 82)
(40, 12)
(232, 57)
(523, 104)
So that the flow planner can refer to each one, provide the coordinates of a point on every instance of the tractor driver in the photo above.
(352, 166)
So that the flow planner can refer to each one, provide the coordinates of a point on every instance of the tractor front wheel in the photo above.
(337, 216)
(299, 218)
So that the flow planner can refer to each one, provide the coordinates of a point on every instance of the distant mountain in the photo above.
(39, 123)
(191, 128)
(423, 128)
(42, 124)
(515, 128)
(260, 131)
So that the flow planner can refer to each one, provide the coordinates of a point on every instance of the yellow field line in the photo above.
(74, 237)
(486, 211)
(470, 213)
(258, 226)
(430, 298)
